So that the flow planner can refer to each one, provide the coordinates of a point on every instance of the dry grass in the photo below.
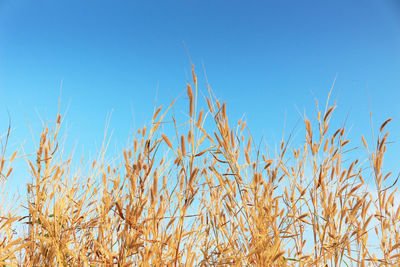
(203, 197)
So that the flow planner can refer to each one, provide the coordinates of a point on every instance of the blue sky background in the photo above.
(266, 59)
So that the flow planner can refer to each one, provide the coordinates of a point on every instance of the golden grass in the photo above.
(205, 198)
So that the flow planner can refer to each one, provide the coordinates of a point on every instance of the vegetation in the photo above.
(202, 192)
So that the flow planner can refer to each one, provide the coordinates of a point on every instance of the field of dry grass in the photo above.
(202, 192)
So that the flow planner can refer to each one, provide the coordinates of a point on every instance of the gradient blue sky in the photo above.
(266, 59)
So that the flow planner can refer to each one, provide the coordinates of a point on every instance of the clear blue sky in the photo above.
(264, 58)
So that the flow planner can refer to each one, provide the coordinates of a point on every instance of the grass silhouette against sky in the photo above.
(113, 62)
